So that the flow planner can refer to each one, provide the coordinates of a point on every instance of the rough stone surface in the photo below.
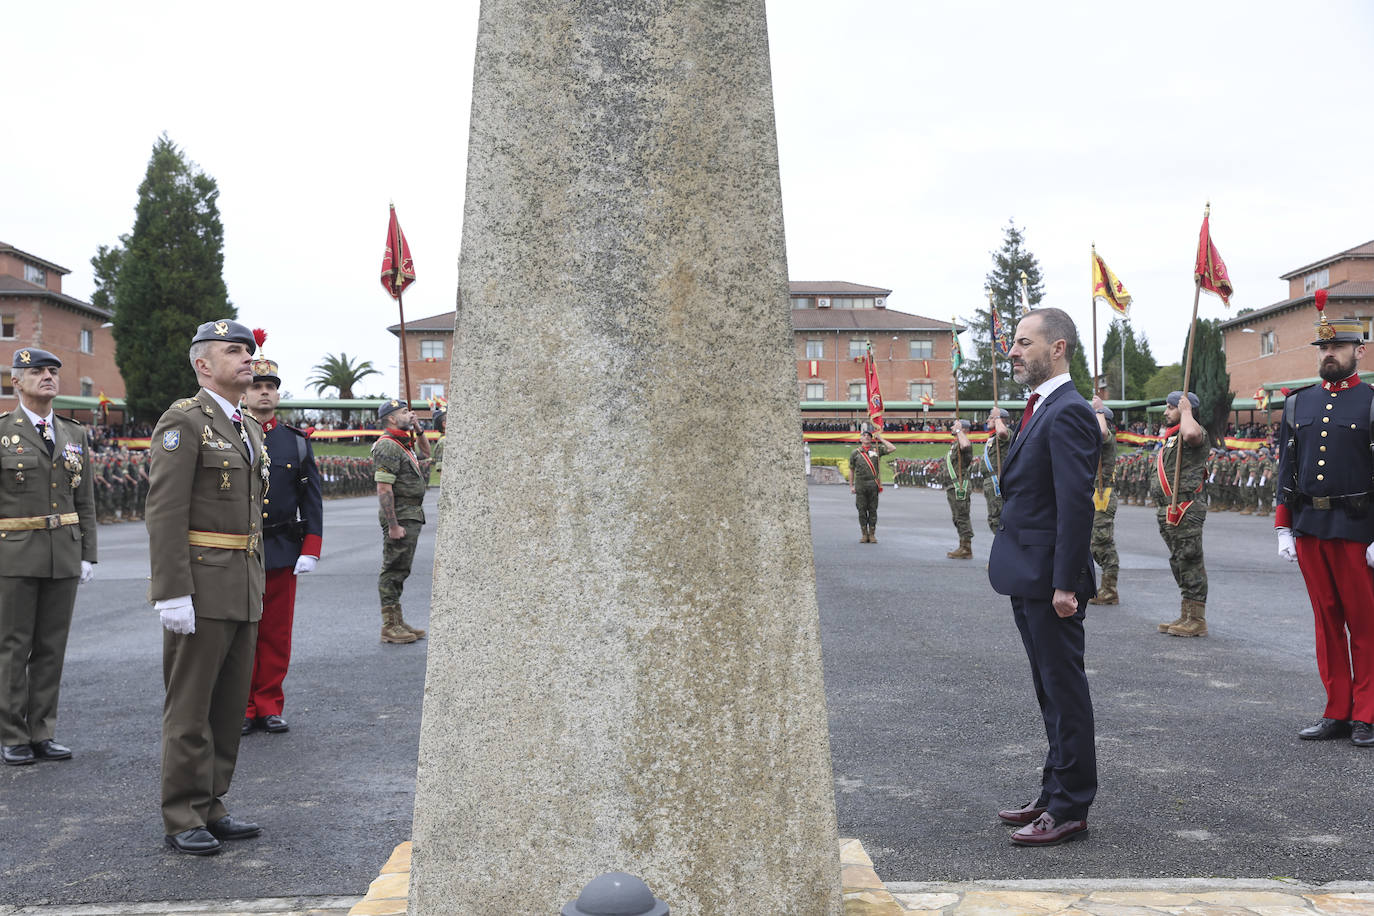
(624, 662)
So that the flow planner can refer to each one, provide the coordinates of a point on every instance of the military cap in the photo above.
(266, 369)
(225, 329)
(1175, 396)
(966, 424)
(389, 407)
(1107, 412)
(34, 358)
(999, 412)
(1338, 330)
(440, 418)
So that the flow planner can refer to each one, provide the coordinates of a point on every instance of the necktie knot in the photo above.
(1030, 409)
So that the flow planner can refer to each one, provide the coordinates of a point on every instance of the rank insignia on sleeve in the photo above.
(171, 439)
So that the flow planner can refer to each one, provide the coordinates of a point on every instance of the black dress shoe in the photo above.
(49, 749)
(274, 724)
(1325, 730)
(248, 726)
(1023, 815)
(231, 828)
(194, 842)
(17, 754)
(1362, 734)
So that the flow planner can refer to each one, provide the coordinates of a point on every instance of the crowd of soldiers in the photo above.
(121, 480)
(1238, 480)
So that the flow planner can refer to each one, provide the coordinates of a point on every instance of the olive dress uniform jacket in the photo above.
(32, 484)
(202, 481)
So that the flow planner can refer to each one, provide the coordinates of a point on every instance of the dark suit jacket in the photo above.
(1043, 540)
(293, 516)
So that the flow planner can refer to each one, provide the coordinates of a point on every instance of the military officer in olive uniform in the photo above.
(1104, 509)
(402, 477)
(1181, 528)
(47, 548)
(994, 450)
(866, 481)
(958, 462)
(437, 453)
(208, 478)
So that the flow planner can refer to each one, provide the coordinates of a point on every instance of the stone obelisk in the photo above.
(624, 666)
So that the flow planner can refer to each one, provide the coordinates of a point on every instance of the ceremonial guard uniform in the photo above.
(958, 462)
(292, 528)
(1325, 522)
(1104, 510)
(866, 481)
(1181, 529)
(209, 475)
(47, 547)
(406, 478)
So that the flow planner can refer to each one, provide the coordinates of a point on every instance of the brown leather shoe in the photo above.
(1023, 815)
(1044, 831)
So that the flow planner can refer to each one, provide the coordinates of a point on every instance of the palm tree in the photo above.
(340, 372)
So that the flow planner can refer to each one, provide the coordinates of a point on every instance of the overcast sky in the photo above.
(909, 134)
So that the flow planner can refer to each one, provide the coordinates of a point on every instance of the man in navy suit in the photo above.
(1041, 558)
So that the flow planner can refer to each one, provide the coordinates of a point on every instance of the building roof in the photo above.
(442, 322)
(15, 288)
(1359, 252)
(833, 319)
(6, 247)
(1349, 290)
(834, 288)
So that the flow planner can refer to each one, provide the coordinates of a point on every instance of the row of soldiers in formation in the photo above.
(1238, 480)
(121, 480)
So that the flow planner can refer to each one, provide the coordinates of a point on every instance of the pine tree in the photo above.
(1004, 281)
(1140, 362)
(1209, 379)
(167, 280)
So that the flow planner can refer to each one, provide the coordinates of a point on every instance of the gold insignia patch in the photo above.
(25, 357)
(221, 328)
(1325, 332)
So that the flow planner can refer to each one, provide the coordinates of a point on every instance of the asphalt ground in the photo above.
(933, 724)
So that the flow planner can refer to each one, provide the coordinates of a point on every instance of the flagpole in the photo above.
(1094, 308)
(421, 443)
(1187, 377)
(996, 442)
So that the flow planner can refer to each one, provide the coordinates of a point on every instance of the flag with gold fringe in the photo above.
(1107, 287)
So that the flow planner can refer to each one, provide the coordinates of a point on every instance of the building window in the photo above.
(431, 349)
(87, 341)
(1267, 343)
(7, 327)
(6, 383)
(858, 392)
(858, 349)
(428, 391)
(815, 391)
(87, 388)
(815, 349)
(1316, 281)
(921, 389)
(1368, 325)
(35, 275)
(801, 302)
(922, 349)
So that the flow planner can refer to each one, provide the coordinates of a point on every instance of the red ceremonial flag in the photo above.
(1210, 272)
(397, 270)
(875, 397)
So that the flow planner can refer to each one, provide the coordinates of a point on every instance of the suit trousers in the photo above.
(273, 655)
(1054, 646)
(1341, 586)
(206, 674)
(35, 618)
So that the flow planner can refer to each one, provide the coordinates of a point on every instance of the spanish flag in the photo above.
(1106, 286)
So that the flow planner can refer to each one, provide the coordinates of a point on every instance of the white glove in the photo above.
(87, 572)
(1288, 548)
(1369, 555)
(178, 614)
(304, 564)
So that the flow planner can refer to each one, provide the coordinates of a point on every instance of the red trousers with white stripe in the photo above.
(1341, 586)
(273, 655)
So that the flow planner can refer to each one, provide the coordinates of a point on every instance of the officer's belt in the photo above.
(222, 541)
(39, 522)
(1355, 500)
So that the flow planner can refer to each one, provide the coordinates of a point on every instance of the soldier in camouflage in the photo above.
(1104, 509)
(994, 450)
(958, 462)
(401, 476)
(865, 481)
(1182, 528)
(1264, 481)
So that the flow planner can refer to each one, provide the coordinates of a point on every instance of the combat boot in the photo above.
(1247, 511)
(1195, 620)
(863, 534)
(1106, 592)
(1179, 621)
(392, 629)
(400, 618)
(872, 534)
(963, 552)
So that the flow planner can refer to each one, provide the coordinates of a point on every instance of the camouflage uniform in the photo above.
(957, 492)
(394, 465)
(865, 472)
(1184, 540)
(994, 453)
(1104, 524)
(1264, 484)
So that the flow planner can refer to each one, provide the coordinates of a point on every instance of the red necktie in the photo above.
(1030, 409)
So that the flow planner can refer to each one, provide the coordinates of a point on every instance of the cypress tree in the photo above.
(1209, 379)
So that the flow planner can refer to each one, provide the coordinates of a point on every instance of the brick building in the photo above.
(833, 322)
(429, 350)
(1271, 346)
(34, 312)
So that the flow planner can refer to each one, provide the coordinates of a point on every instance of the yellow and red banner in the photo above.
(1106, 286)
(398, 271)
